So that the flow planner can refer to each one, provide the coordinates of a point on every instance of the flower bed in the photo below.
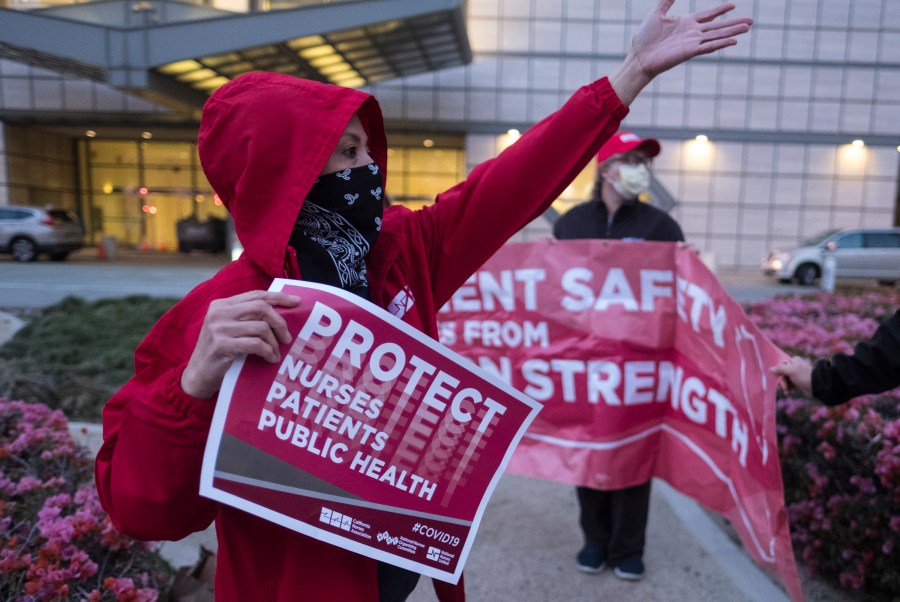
(841, 465)
(56, 542)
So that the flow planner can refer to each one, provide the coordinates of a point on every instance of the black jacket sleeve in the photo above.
(873, 367)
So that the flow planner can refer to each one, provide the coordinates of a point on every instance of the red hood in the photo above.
(264, 138)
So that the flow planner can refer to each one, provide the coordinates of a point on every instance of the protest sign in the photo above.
(367, 434)
(646, 368)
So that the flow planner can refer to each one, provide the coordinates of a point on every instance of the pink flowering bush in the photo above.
(56, 542)
(841, 465)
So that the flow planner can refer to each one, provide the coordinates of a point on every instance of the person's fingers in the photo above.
(726, 31)
(266, 349)
(708, 48)
(664, 6)
(225, 334)
(783, 366)
(282, 299)
(707, 15)
(725, 24)
(785, 384)
(253, 306)
(270, 297)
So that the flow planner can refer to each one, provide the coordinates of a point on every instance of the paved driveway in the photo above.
(44, 282)
(41, 283)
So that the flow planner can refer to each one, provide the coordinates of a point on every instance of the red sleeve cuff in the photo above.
(183, 403)
(604, 96)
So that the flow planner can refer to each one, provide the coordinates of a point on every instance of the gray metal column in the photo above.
(4, 167)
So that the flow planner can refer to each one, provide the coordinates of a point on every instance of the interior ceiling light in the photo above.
(221, 59)
(383, 28)
(324, 61)
(196, 76)
(212, 84)
(355, 82)
(306, 42)
(180, 67)
(334, 69)
(857, 144)
(146, 135)
(343, 76)
(90, 133)
(316, 51)
(702, 138)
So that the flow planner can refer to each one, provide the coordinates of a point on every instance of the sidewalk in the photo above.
(526, 544)
(525, 550)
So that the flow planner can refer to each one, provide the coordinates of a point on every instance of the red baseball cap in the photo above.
(623, 142)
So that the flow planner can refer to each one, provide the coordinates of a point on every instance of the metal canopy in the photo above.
(177, 52)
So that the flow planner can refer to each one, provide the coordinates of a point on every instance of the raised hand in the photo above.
(246, 323)
(663, 42)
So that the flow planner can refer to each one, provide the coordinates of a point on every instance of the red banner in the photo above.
(367, 435)
(646, 368)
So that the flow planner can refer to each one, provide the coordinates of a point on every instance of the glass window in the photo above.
(417, 175)
(883, 240)
(16, 214)
(113, 152)
(167, 178)
(168, 153)
(850, 241)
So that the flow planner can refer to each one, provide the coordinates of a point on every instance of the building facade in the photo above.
(793, 131)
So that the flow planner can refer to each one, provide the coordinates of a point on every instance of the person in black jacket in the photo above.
(873, 367)
(615, 210)
(614, 522)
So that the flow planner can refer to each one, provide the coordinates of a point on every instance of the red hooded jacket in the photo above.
(264, 138)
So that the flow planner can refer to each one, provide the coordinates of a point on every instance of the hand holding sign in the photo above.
(367, 434)
(243, 324)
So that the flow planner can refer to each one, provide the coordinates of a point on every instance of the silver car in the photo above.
(26, 232)
(858, 253)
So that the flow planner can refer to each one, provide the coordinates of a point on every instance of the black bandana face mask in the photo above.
(337, 226)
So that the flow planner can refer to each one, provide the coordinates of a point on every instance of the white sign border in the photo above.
(207, 474)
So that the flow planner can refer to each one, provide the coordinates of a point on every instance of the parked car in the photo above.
(196, 235)
(858, 253)
(26, 232)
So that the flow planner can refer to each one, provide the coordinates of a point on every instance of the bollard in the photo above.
(108, 246)
(828, 269)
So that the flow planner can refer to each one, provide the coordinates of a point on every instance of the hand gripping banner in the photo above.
(646, 368)
(367, 435)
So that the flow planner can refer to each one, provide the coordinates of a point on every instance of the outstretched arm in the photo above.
(873, 367)
(664, 42)
(469, 222)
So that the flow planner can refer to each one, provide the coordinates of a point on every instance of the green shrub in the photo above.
(75, 354)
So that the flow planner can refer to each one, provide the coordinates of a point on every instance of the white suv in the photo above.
(26, 232)
(858, 253)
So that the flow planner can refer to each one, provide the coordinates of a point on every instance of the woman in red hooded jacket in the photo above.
(301, 166)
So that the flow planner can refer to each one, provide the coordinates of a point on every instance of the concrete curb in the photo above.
(730, 557)
(9, 326)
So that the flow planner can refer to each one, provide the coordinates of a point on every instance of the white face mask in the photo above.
(634, 180)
